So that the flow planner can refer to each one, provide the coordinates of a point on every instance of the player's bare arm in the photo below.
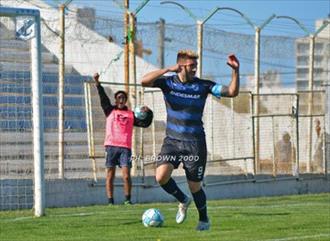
(233, 89)
(148, 79)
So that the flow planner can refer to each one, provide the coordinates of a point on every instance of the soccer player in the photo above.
(118, 137)
(185, 97)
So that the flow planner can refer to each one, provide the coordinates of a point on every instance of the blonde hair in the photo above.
(186, 54)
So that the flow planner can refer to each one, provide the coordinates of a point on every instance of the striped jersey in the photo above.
(184, 106)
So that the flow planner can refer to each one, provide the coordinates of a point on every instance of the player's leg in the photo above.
(111, 173)
(194, 165)
(167, 161)
(110, 163)
(127, 184)
(200, 202)
(125, 162)
(163, 177)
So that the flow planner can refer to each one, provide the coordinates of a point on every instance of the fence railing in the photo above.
(230, 133)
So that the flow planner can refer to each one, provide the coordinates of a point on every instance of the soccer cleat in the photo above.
(127, 202)
(182, 211)
(202, 226)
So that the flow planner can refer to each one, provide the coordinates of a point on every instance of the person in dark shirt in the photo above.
(185, 97)
(118, 137)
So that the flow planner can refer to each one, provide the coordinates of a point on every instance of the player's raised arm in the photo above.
(104, 99)
(233, 89)
(148, 79)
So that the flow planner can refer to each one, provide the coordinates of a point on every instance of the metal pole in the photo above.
(324, 148)
(257, 84)
(37, 119)
(326, 129)
(132, 59)
(297, 138)
(153, 129)
(310, 100)
(61, 70)
(233, 124)
(253, 133)
(257, 80)
(90, 129)
(274, 173)
(212, 129)
(199, 47)
(161, 41)
(126, 49)
(141, 154)
(132, 75)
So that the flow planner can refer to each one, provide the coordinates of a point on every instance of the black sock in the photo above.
(110, 200)
(171, 188)
(200, 202)
(128, 197)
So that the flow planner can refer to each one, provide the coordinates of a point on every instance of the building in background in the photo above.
(321, 58)
(270, 82)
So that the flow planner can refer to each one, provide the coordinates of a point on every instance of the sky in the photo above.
(305, 11)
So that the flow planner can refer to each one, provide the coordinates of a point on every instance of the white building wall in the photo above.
(321, 58)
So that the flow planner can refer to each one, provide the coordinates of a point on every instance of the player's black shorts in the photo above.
(192, 154)
(120, 156)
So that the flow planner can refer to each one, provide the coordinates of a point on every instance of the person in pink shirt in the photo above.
(118, 137)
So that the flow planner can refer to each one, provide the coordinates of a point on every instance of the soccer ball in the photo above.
(140, 112)
(152, 218)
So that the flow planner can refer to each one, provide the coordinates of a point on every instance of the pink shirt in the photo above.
(119, 128)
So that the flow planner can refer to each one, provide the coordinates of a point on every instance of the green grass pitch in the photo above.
(284, 218)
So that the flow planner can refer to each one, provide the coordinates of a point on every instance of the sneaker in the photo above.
(202, 226)
(127, 202)
(182, 211)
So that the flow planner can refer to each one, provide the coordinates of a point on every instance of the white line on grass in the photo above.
(300, 237)
(20, 218)
(54, 215)
(264, 206)
(75, 214)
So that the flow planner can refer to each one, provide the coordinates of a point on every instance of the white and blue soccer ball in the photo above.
(140, 113)
(152, 218)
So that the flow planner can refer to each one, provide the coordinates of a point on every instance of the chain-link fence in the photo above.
(276, 133)
(286, 135)
(230, 124)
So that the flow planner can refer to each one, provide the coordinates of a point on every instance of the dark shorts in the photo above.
(120, 156)
(192, 154)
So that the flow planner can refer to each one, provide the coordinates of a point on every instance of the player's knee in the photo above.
(163, 173)
(194, 186)
(126, 178)
(110, 177)
(161, 178)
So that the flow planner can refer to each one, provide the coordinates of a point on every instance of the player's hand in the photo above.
(175, 68)
(233, 62)
(96, 77)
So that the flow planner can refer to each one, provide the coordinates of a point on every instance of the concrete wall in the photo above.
(83, 192)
